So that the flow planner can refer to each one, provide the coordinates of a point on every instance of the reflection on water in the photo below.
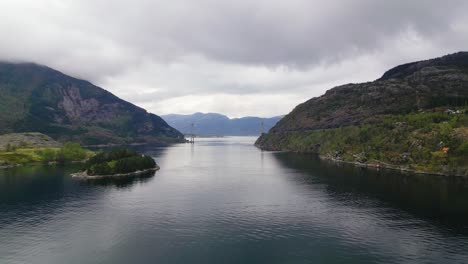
(441, 199)
(224, 201)
(122, 181)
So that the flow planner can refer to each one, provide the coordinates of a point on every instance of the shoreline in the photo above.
(9, 166)
(114, 145)
(84, 174)
(383, 165)
(377, 166)
(3, 167)
(135, 144)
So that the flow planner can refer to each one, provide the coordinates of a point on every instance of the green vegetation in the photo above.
(118, 161)
(413, 118)
(426, 141)
(24, 154)
(32, 99)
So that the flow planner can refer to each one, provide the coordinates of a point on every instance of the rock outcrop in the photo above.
(35, 140)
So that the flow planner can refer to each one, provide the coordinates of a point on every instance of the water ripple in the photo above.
(224, 201)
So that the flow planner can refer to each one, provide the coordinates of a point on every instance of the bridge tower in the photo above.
(192, 133)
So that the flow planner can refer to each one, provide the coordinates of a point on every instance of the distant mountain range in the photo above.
(35, 98)
(212, 124)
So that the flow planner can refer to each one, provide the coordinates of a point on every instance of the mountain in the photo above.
(415, 114)
(403, 89)
(35, 98)
(212, 124)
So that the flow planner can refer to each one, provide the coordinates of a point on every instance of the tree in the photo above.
(73, 151)
(9, 147)
(48, 155)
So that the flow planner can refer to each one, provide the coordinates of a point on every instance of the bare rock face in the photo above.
(410, 87)
(76, 108)
(37, 98)
(28, 140)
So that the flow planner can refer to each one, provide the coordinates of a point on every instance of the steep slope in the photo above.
(35, 98)
(397, 120)
(212, 124)
(403, 89)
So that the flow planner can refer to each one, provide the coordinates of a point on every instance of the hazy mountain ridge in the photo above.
(213, 124)
(35, 98)
(395, 121)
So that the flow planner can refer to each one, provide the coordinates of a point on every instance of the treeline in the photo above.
(118, 161)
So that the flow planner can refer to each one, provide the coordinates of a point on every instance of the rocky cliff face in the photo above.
(40, 99)
(403, 89)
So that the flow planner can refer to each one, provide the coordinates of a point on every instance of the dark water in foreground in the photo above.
(224, 201)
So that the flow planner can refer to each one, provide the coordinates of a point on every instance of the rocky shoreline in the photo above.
(9, 166)
(84, 174)
(382, 165)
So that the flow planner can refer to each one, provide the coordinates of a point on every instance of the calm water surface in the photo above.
(224, 201)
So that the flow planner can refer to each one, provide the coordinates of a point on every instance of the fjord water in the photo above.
(222, 200)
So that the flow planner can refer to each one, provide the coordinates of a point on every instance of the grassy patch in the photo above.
(25, 155)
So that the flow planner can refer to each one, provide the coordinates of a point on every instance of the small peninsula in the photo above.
(117, 163)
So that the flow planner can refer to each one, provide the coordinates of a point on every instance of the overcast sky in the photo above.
(239, 58)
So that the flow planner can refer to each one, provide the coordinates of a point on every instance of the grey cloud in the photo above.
(295, 33)
(166, 50)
